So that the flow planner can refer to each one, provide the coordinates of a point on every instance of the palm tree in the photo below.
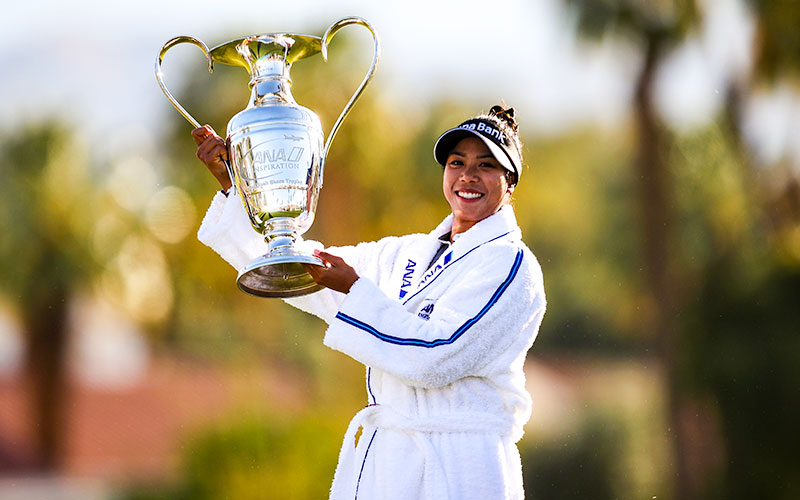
(42, 262)
(656, 27)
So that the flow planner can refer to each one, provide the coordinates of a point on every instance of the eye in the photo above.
(455, 163)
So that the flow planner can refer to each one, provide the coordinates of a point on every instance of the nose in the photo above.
(469, 172)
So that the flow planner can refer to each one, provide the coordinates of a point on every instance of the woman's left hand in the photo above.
(336, 275)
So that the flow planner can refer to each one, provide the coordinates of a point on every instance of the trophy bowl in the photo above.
(277, 153)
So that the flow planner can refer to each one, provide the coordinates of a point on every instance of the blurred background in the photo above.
(662, 198)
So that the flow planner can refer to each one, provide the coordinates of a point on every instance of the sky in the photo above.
(92, 62)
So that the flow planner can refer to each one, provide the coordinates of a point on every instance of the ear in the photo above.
(510, 182)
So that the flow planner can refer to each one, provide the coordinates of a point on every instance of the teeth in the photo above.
(469, 196)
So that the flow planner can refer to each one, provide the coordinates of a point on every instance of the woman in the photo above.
(442, 321)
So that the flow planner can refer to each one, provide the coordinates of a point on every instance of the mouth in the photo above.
(469, 195)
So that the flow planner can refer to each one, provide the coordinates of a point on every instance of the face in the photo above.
(475, 184)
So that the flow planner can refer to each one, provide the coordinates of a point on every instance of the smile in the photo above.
(469, 195)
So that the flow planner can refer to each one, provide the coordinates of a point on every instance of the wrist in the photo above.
(352, 283)
(226, 184)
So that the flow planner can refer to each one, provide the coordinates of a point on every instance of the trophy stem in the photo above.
(281, 234)
(270, 83)
(271, 91)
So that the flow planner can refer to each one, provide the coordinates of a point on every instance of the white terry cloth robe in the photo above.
(444, 349)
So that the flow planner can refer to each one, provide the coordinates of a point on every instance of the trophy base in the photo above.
(279, 276)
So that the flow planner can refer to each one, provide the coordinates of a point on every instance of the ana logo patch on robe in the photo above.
(407, 277)
(425, 312)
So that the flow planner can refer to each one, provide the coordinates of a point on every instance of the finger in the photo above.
(212, 140)
(212, 153)
(204, 152)
(199, 135)
(203, 147)
(310, 270)
(202, 133)
(329, 257)
(319, 254)
(222, 152)
(315, 272)
(319, 269)
(211, 148)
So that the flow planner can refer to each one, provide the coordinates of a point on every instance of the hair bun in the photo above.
(505, 114)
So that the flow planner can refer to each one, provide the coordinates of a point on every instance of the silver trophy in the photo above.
(276, 150)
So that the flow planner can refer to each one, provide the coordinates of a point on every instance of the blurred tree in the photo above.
(776, 59)
(580, 181)
(43, 205)
(740, 321)
(777, 44)
(655, 27)
(742, 324)
(577, 467)
(746, 353)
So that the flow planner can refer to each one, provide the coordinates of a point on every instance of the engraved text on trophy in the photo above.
(277, 172)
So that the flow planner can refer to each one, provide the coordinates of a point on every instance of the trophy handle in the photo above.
(160, 74)
(160, 77)
(326, 38)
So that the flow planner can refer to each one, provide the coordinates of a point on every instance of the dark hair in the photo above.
(506, 115)
(507, 123)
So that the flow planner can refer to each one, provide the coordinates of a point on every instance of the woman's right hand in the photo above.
(213, 151)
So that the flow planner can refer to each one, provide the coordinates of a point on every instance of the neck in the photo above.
(462, 226)
(459, 227)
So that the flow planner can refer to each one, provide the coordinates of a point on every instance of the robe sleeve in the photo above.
(366, 258)
(226, 229)
(493, 308)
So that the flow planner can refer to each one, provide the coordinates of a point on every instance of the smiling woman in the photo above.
(482, 162)
(474, 184)
(441, 321)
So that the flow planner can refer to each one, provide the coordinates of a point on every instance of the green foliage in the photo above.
(778, 39)
(744, 350)
(252, 457)
(40, 208)
(249, 458)
(739, 321)
(576, 467)
(582, 182)
(714, 201)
